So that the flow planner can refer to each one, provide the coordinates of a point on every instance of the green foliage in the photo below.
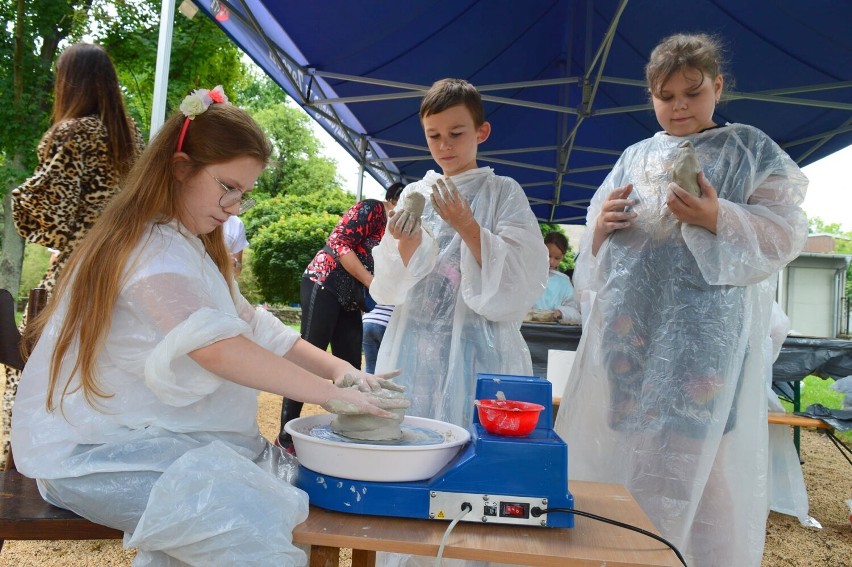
(283, 249)
(297, 168)
(817, 390)
(202, 56)
(247, 281)
(268, 211)
(30, 42)
(36, 262)
(567, 262)
(304, 186)
(261, 92)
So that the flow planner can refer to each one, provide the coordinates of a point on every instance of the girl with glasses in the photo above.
(138, 405)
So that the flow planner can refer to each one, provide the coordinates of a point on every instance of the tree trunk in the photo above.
(12, 254)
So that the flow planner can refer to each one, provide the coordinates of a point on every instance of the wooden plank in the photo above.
(24, 515)
(779, 418)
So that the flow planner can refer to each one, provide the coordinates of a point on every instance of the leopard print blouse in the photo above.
(71, 185)
(73, 182)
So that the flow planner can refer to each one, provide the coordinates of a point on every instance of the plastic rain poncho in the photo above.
(787, 493)
(174, 457)
(454, 318)
(667, 394)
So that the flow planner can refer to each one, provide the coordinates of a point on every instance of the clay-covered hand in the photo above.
(450, 205)
(701, 211)
(369, 382)
(685, 168)
(352, 401)
(406, 220)
(615, 211)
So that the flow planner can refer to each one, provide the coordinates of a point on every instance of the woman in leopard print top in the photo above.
(81, 160)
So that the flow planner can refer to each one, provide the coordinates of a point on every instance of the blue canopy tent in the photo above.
(562, 79)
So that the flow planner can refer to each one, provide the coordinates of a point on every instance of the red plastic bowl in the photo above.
(508, 417)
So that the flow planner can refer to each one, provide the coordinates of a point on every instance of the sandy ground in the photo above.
(828, 478)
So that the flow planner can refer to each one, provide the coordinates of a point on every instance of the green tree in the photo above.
(31, 38)
(260, 92)
(297, 167)
(267, 211)
(202, 56)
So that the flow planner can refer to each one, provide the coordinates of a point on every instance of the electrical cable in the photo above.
(465, 510)
(536, 512)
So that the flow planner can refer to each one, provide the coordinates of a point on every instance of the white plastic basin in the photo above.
(375, 463)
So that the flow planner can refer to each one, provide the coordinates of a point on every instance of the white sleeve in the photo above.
(176, 379)
(393, 279)
(514, 267)
(267, 330)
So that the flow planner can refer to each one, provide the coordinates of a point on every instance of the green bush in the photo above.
(247, 281)
(36, 262)
(283, 249)
(268, 211)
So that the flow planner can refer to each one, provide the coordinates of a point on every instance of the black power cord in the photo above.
(536, 512)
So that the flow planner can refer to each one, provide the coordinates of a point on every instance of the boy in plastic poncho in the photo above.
(138, 405)
(464, 281)
(667, 395)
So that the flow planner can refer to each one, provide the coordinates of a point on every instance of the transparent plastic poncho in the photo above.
(219, 488)
(454, 318)
(667, 394)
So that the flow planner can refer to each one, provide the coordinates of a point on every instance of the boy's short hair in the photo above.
(451, 92)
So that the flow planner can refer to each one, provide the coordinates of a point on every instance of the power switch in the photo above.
(514, 510)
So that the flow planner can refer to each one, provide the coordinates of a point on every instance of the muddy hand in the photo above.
(407, 219)
(450, 204)
(352, 401)
(386, 381)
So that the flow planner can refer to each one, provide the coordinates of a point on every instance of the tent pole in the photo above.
(362, 159)
(161, 75)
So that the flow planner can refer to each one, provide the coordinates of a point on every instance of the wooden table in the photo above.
(589, 543)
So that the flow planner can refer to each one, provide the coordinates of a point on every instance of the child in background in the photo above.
(462, 282)
(234, 232)
(557, 301)
(82, 158)
(375, 324)
(667, 395)
(138, 404)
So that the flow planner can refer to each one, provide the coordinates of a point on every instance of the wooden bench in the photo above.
(783, 418)
(793, 420)
(24, 515)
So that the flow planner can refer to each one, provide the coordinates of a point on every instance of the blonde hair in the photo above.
(93, 275)
(682, 52)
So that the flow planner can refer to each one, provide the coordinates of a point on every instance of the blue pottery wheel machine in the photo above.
(502, 478)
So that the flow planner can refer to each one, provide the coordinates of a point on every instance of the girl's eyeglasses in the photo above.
(233, 196)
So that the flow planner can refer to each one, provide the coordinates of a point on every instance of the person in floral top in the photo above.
(334, 287)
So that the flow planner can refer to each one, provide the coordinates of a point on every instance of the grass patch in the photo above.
(816, 390)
